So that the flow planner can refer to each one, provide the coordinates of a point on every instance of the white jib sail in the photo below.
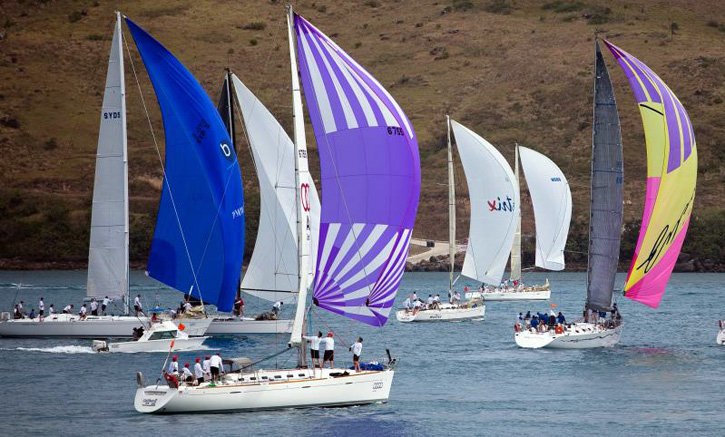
(108, 251)
(494, 196)
(551, 196)
(272, 271)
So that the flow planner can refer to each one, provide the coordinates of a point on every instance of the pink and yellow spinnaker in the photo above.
(671, 179)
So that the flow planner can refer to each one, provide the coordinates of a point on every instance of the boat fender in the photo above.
(139, 379)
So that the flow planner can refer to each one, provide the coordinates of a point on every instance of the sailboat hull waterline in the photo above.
(578, 336)
(71, 326)
(447, 312)
(269, 390)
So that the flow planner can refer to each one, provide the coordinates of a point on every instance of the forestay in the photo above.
(671, 180)
(108, 251)
(370, 180)
(551, 197)
(494, 195)
(272, 270)
(605, 214)
(199, 236)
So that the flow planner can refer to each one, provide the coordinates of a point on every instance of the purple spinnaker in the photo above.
(370, 174)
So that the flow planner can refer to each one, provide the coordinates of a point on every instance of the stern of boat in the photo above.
(405, 316)
(153, 398)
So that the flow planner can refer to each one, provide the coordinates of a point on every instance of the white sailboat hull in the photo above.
(721, 337)
(510, 295)
(326, 391)
(180, 345)
(447, 313)
(577, 336)
(248, 325)
(69, 325)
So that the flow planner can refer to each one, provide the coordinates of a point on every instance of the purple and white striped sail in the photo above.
(370, 173)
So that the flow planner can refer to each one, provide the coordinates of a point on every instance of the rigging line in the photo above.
(321, 319)
(163, 169)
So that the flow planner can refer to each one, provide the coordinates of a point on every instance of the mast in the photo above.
(302, 188)
(516, 247)
(605, 210)
(451, 208)
(126, 226)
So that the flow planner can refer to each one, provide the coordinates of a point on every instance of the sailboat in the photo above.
(199, 236)
(671, 181)
(551, 198)
(452, 311)
(370, 173)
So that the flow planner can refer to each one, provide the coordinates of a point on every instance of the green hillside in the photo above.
(513, 71)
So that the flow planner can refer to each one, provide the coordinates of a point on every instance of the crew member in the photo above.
(173, 366)
(205, 366)
(277, 307)
(356, 350)
(216, 366)
(83, 312)
(104, 305)
(329, 350)
(32, 313)
(20, 308)
(51, 310)
(187, 376)
(560, 318)
(137, 305)
(198, 371)
(94, 306)
(429, 301)
(68, 309)
(239, 307)
(314, 341)
(41, 309)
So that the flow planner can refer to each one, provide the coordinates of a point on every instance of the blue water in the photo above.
(666, 375)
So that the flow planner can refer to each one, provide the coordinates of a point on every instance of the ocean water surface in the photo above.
(665, 377)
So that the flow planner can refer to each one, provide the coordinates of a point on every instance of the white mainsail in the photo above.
(108, 252)
(272, 272)
(551, 197)
(494, 196)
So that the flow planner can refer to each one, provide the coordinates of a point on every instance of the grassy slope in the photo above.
(524, 76)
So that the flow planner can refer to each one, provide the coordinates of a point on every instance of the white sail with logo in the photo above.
(494, 195)
(551, 197)
(108, 249)
(272, 272)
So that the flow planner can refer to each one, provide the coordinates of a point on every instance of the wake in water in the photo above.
(71, 349)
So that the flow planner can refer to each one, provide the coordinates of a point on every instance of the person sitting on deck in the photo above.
(437, 302)
(407, 304)
(51, 310)
(560, 318)
(83, 312)
(187, 306)
(456, 298)
(154, 318)
(528, 315)
(417, 305)
(535, 323)
(32, 313)
(429, 302)
(68, 309)
(552, 321)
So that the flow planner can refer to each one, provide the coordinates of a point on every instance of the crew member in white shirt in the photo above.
(407, 304)
(83, 312)
(205, 366)
(417, 305)
(198, 371)
(137, 305)
(437, 301)
(104, 305)
(329, 350)
(277, 307)
(456, 298)
(41, 309)
(187, 376)
(68, 309)
(51, 310)
(356, 350)
(314, 341)
(173, 366)
(94, 307)
(187, 306)
(429, 301)
(415, 297)
(20, 308)
(216, 366)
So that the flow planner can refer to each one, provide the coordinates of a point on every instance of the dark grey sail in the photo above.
(226, 108)
(605, 214)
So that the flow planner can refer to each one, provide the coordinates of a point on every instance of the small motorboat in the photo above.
(721, 333)
(160, 337)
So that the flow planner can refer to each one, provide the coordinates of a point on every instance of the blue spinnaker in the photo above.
(199, 236)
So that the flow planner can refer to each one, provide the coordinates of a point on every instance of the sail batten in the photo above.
(108, 265)
(494, 196)
(370, 175)
(671, 180)
(198, 242)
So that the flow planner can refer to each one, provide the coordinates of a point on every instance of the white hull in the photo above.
(249, 326)
(536, 292)
(271, 393)
(447, 313)
(721, 338)
(67, 325)
(577, 336)
(180, 345)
